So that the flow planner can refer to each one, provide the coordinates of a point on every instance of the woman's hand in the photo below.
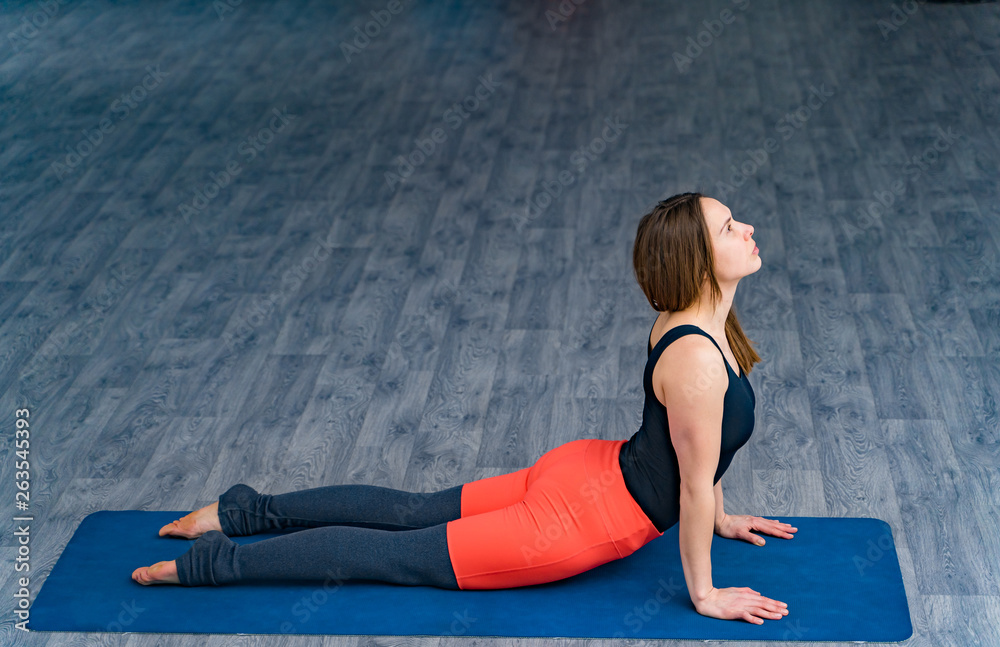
(740, 603)
(739, 526)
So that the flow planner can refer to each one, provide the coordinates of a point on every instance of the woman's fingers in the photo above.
(759, 611)
(768, 604)
(767, 613)
(775, 614)
(775, 528)
(786, 528)
(753, 607)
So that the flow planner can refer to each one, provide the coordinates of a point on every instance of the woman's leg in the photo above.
(498, 492)
(577, 514)
(332, 553)
(244, 511)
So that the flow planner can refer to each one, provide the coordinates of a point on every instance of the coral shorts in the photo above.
(566, 514)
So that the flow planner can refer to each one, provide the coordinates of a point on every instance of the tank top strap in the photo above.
(675, 333)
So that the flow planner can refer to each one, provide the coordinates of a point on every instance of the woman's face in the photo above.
(735, 250)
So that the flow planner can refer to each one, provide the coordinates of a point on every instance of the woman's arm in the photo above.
(692, 385)
(693, 390)
(720, 513)
(695, 531)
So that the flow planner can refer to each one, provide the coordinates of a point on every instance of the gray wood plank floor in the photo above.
(207, 275)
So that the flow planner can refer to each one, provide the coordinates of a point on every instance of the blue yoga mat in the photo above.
(840, 578)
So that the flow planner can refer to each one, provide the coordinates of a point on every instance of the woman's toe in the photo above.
(158, 573)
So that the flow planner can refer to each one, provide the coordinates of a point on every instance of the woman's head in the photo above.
(689, 243)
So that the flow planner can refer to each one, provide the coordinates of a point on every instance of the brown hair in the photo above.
(671, 258)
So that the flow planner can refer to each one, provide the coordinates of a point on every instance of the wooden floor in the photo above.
(243, 243)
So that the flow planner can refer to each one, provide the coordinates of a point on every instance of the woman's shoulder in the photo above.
(668, 331)
(690, 350)
(689, 361)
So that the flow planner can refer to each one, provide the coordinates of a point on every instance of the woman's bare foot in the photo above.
(158, 573)
(195, 524)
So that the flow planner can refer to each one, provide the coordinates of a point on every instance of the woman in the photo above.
(582, 504)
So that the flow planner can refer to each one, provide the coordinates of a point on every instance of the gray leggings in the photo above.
(348, 532)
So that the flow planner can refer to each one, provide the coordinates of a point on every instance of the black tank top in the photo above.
(647, 459)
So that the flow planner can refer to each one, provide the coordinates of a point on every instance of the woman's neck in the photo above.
(702, 314)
